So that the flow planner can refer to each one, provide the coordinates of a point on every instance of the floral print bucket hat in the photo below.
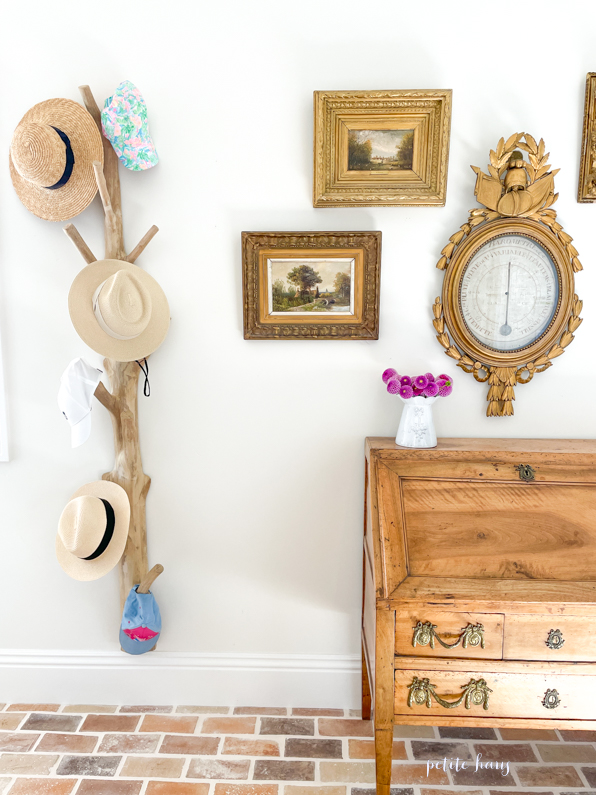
(125, 125)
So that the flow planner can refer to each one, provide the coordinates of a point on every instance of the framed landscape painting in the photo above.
(381, 148)
(311, 285)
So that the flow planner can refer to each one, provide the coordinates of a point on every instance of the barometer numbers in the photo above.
(509, 292)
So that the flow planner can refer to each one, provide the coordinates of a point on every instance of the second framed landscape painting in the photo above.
(311, 285)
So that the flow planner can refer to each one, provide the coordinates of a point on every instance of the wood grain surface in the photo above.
(506, 530)
(526, 638)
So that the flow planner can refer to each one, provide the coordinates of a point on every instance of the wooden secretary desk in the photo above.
(479, 586)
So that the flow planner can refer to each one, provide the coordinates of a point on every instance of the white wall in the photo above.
(256, 448)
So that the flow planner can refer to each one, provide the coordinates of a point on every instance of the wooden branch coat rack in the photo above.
(122, 401)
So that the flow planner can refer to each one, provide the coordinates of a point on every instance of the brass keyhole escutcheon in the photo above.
(525, 472)
(555, 639)
(551, 699)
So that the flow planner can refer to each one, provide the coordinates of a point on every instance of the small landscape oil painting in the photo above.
(311, 286)
(380, 150)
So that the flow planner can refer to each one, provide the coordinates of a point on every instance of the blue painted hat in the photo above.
(124, 123)
(141, 623)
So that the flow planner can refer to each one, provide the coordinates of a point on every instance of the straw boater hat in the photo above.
(51, 159)
(119, 310)
(92, 530)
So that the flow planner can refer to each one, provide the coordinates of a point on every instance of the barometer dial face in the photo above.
(509, 292)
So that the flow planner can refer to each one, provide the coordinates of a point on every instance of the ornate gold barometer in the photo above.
(509, 306)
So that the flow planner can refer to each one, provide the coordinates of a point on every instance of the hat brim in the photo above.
(86, 570)
(131, 646)
(78, 193)
(80, 306)
(80, 432)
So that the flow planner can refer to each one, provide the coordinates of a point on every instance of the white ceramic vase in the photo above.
(416, 427)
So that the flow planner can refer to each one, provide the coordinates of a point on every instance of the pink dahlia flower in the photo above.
(429, 376)
(406, 392)
(446, 378)
(431, 390)
(445, 391)
(389, 374)
(406, 380)
(393, 386)
(421, 381)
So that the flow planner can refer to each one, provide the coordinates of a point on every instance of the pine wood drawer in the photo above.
(550, 638)
(510, 694)
(422, 633)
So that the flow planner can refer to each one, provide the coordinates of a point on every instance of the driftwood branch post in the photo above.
(122, 401)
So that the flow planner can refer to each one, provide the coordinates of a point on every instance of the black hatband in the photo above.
(107, 536)
(69, 161)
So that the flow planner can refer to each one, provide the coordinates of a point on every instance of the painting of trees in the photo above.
(342, 284)
(304, 277)
(359, 154)
(405, 151)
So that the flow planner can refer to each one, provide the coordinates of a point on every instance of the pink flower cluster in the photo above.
(417, 386)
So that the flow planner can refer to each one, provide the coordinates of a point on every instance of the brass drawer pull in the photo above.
(424, 634)
(551, 699)
(525, 472)
(475, 693)
(555, 639)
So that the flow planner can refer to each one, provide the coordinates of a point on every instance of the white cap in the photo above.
(77, 385)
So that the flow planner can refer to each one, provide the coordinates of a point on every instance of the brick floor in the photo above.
(94, 749)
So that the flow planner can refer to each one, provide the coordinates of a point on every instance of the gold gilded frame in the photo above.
(586, 189)
(517, 195)
(428, 113)
(363, 247)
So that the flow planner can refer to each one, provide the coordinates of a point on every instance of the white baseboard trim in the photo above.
(159, 677)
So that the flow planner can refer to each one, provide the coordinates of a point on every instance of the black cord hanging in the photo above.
(145, 369)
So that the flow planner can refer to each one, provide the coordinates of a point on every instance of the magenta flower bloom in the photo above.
(406, 392)
(445, 391)
(389, 374)
(429, 376)
(421, 381)
(431, 390)
(393, 386)
(406, 380)
(446, 378)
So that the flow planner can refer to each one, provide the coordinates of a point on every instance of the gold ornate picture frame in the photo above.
(311, 285)
(586, 190)
(381, 148)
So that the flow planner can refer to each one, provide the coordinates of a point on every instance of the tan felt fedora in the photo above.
(93, 530)
(119, 310)
(51, 159)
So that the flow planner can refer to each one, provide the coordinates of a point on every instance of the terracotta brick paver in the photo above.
(152, 767)
(10, 721)
(551, 776)
(287, 726)
(236, 746)
(163, 710)
(576, 736)
(350, 772)
(313, 749)
(229, 726)
(293, 789)
(218, 768)
(417, 774)
(33, 764)
(110, 723)
(531, 734)
(94, 787)
(330, 727)
(191, 746)
(190, 710)
(180, 724)
(365, 749)
(20, 741)
(176, 788)
(248, 789)
(260, 711)
(33, 708)
(307, 712)
(282, 770)
(510, 752)
(68, 743)
(129, 744)
(567, 753)
(43, 786)
(52, 723)
(88, 765)
(83, 709)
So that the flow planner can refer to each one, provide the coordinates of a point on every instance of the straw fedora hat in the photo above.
(93, 530)
(51, 159)
(119, 310)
